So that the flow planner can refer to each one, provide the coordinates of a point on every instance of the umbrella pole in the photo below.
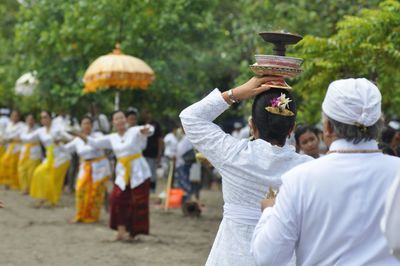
(116, 101)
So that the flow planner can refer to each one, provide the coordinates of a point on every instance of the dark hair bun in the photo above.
(273, 127)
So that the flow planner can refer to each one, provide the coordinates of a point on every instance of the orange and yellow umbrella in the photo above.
(117, 71)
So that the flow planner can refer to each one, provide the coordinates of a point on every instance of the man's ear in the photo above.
(329, 133)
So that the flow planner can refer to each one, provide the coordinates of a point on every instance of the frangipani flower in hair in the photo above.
(280, 106)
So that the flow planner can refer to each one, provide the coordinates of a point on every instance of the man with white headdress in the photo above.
(328, 210)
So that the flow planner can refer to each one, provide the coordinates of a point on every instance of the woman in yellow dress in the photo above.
(9, 160)
(30, 156)
(48, 178)
(94, 171)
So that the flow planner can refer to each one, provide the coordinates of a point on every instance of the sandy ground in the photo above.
(31, 236)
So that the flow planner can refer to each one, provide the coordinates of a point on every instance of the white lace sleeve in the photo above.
(207, 137)
(101, 142)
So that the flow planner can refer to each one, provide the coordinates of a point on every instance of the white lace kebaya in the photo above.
(247, 168)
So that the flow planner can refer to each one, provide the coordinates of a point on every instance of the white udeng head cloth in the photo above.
(353, 102)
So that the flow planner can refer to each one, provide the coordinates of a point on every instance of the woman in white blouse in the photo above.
(30, 157)
(9, 160)
(248, 168)
(48, 178)
(94, 171)
(129, 200)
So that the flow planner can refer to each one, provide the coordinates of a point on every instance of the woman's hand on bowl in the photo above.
(251, 88)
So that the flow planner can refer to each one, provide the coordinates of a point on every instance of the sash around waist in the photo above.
(125, 161)
(242, 214)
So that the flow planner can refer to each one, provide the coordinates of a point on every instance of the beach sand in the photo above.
(30, 236)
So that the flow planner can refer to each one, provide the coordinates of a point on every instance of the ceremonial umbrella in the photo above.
(117, 71)
(26, 84)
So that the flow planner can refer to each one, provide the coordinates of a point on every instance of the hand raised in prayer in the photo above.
(251, 88)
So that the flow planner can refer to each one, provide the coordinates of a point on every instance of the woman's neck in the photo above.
(121, 132)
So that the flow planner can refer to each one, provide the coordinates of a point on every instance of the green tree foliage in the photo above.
(367, 45)
(8, 15)
(193, 46)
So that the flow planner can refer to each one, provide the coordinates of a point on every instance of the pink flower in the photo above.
(275, 102)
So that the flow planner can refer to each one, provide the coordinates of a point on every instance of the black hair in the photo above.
(15, 110)
(300, 130)
(116, 112)
(388, 135)
(273, 127)
(88, 117)
(48, 113)
(131, 112)
(28, 114)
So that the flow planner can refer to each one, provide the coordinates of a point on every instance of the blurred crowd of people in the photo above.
(309, 139)
(61, 154)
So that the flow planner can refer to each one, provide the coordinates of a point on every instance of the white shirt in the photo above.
(60, 122)
(171, 143)
(247, 168)
(132, 142)
(101, 124)
(35, 151)
(4, 120)
(391, 221)
(84, 150)
(48, 137)
(13, 131)
(184, 146)
(328, 211)
(100, 168)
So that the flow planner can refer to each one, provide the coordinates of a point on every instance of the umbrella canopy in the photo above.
(26, 84)
(117, 70)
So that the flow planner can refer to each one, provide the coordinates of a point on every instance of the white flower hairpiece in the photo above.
(280, 106)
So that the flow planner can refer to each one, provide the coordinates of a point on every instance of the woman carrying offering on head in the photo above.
(248, 168)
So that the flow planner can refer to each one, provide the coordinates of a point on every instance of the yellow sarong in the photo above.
(89, 195)
(2, 150)
(47, 180)
(9, 166)
(26, 167)
(126, 163)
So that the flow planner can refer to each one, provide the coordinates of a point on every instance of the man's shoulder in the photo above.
(309, 165)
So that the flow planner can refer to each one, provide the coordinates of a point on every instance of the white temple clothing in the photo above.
(171, 143)
(132, 142)
(13, 132)
(184, 145)
(353, 101)
(328, 211)
(35, 152)
(49, 137)
(247, 168)
(84, 150)
(100, 168)
(391, 221)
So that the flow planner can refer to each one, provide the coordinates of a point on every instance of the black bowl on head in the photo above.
(280, 40)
